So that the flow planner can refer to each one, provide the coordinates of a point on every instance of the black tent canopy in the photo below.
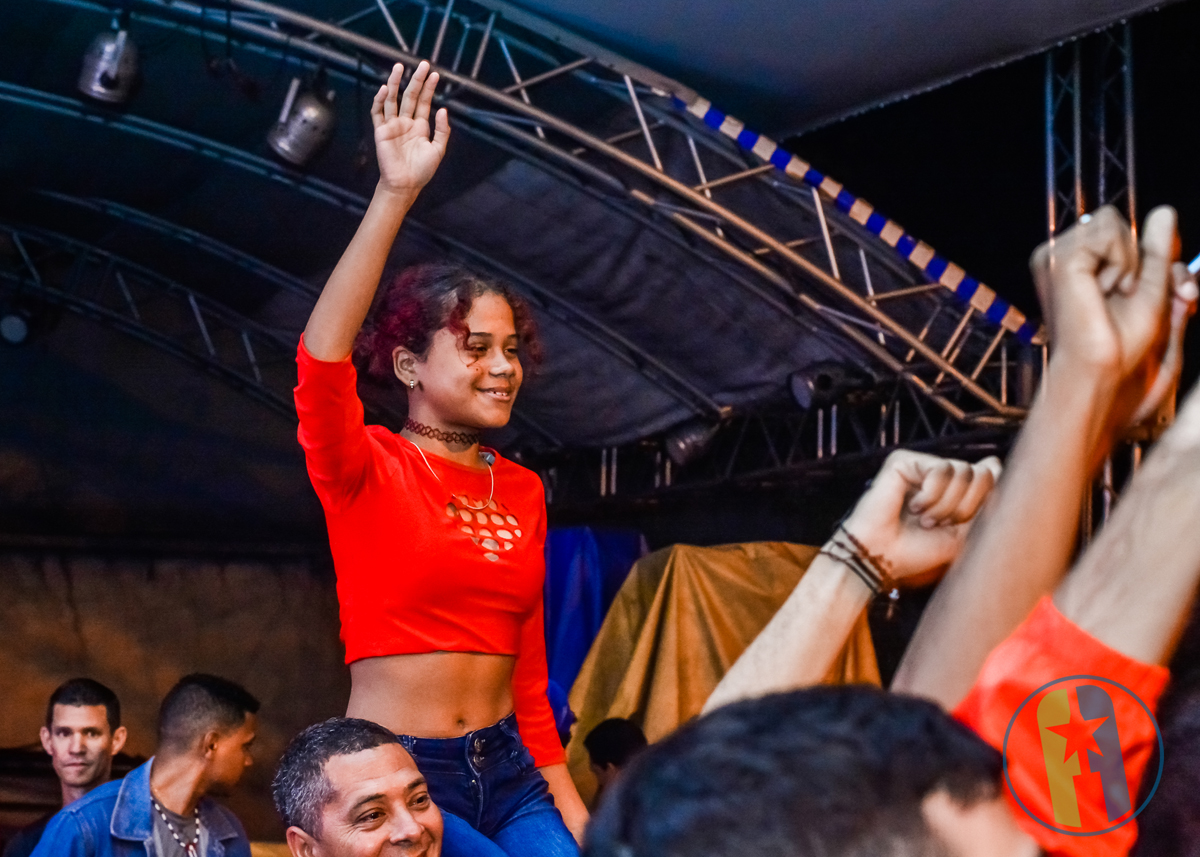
(682, 265)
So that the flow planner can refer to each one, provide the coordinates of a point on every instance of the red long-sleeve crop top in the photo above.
(417, 571)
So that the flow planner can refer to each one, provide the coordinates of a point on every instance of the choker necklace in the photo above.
(463, 437)
(189, 848)
(485, 456)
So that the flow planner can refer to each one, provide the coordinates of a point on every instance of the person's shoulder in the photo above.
(26, 839)
(217, 808)
(513, 468)
(71, 825)
(100, 799)
(224, 824)
(402, 453)
(386, 437)
(519, 473)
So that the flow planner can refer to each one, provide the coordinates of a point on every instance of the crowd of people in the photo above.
(206, 726)
(345, 779)
(449, 744)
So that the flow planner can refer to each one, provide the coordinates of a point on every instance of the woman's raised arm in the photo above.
(408, 158)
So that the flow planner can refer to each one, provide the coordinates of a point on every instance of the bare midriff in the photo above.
(433, 694)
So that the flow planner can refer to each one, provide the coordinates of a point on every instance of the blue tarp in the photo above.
(584, 570)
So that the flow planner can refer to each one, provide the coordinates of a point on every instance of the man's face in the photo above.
(380, 806)
(231, 755)
(81, 744)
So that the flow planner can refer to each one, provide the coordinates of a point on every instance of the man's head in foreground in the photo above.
(83, 732)
(210, 724)
(347, 788)
(836, 772)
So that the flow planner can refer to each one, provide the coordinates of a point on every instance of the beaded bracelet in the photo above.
(853, 554)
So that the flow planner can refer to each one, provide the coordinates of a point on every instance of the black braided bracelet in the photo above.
(855, 556)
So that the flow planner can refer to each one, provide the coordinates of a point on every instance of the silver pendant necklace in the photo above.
(491, 473)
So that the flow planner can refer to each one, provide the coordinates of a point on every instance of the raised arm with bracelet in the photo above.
(907, 527)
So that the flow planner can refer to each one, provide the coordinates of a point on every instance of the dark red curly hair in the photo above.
(423, 299)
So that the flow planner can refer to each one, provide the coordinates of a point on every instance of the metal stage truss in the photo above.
(544, 298)
(39, 267)
(1089, 127)
(935, 338)
(1090, 163)
(770, 448)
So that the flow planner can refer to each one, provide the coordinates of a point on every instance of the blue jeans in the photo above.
(488, 779)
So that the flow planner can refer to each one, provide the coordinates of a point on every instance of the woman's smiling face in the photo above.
(470, 384)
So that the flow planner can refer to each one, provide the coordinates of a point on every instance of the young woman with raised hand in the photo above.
(438, 543)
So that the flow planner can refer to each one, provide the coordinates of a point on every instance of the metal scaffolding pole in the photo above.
(1090, 135)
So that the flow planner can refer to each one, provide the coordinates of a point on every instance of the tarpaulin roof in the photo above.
(612, 160)
(789, 67)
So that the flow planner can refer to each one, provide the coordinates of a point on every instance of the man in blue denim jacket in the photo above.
(205, 728)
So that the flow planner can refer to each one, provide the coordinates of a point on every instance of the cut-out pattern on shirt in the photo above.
(493, 528)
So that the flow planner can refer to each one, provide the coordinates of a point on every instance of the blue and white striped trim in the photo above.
(940, 270)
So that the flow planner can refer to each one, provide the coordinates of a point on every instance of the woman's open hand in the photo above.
(407, 156)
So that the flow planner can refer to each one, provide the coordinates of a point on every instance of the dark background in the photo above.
(964, 166)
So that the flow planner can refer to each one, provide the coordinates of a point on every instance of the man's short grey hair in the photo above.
(300, 788)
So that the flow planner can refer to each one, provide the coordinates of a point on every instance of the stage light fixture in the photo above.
(14, 327)
(688, 441)
(110, 66)
(305, 124)
(827, 381)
